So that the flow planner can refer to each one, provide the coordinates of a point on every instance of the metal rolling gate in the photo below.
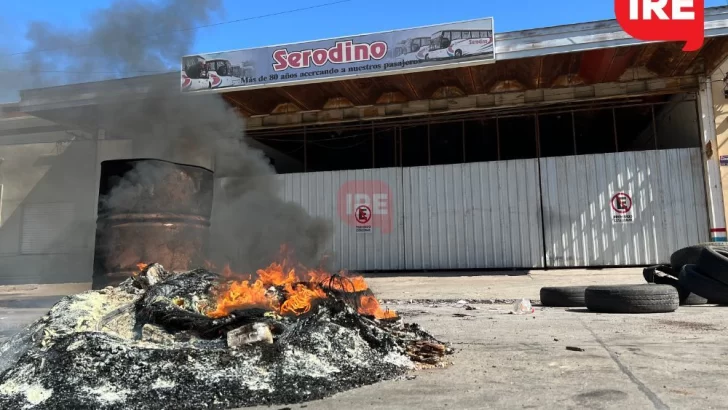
(532, 213)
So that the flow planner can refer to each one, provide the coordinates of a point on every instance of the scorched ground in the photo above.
(199, 339)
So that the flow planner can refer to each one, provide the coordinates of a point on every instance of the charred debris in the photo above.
(159, 340)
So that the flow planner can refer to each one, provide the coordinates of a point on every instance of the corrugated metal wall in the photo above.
(480, 215)
(318, 193)
(669, 207)
(489, 215)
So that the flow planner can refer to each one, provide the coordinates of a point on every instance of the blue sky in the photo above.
(353, 17)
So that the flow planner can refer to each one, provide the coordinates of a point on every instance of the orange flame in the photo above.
(142, 266)
(368, 305)
(299, 296)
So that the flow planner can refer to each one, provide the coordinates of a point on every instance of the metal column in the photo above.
(714, 190)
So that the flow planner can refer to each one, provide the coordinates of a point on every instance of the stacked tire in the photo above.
(696, 275)
(707, 275)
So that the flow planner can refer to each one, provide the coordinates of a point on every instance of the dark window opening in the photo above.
(594, 131)
(556, 134)
(481, 140)
(414, 146)
(446, 143)
(517, 137)
(677, 125)
(634, 128)
(385, 154)
(284, 151)
(338, 150)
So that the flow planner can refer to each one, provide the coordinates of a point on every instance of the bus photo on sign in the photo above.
(431, 47)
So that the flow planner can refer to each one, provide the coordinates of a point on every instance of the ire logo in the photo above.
(663, 20)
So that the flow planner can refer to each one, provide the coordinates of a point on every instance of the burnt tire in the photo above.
(645, 298)
(689, 255)
(651, 276)
(714, 263)
(563, 296)
(694, 281)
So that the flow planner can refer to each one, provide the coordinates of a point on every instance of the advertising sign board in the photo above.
(363, 55)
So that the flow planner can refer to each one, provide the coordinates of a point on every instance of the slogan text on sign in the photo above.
(663, 20)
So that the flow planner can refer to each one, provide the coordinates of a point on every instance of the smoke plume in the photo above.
(249, 222)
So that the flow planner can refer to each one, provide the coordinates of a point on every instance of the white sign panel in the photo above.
(622, 208)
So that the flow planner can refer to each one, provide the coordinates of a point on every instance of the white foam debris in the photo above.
(163, 384)
(304, 363)
(399, 360)
(36, 394)
(107, 394)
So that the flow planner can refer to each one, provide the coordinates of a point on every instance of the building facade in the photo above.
(569, 146)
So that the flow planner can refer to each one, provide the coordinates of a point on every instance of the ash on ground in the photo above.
(140, 346)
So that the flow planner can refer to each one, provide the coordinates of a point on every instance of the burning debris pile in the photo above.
(199, 339)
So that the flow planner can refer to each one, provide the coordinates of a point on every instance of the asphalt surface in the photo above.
(508, 361)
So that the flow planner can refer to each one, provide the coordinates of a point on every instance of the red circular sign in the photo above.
(363, 214)
(621, 203)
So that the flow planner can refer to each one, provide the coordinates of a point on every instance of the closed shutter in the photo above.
(47, 228)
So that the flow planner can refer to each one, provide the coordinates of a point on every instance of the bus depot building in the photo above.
(448, 147)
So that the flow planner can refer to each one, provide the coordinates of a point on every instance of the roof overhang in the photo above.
(529, 61)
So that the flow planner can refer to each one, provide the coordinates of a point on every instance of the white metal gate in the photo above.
(479, 215)
(668, 206)
(495, 215)
(324, 194)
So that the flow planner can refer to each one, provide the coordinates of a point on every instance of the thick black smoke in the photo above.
(249, 222)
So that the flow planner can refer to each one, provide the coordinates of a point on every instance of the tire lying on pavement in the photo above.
(696, 282)
(689, 255)
(664, 275)
(645, 298)
(653, 274)
(714, 264)
(563, 296)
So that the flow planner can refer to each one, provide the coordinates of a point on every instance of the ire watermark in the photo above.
(663, 20)
(366, 204)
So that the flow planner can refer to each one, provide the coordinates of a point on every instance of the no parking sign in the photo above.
(622, 208)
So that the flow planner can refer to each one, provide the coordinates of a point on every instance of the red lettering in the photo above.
(320, 56)
(378, 50)
(361, 52)
(336, 53)
(294, 59)
(348, 50)
(306, 58)
(281, 63)
(342, 52)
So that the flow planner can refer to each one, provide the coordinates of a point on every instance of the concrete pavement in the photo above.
(506, 361)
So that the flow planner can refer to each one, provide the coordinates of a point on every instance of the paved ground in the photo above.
(506, 361)
(418, 287)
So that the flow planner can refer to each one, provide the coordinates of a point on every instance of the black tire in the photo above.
(632, 298)
(458, 53)
(427, 57)
(653, 274)
(693, 300)
(714, 263)
(659, 277)
(694, 281)
(689, 255)
(566, 296)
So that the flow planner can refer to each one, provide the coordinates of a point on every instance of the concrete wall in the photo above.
(49, 168)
